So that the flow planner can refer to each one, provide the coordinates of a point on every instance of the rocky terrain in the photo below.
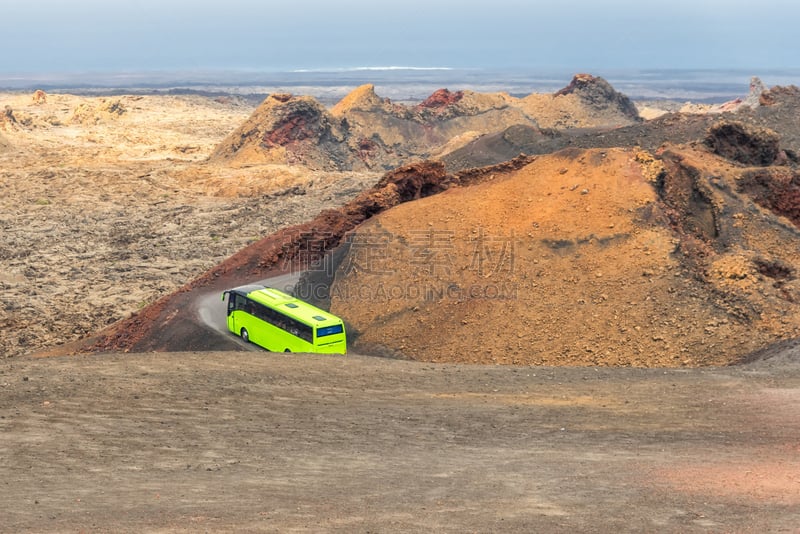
(365, 131)
(141, 196)
(106, 205)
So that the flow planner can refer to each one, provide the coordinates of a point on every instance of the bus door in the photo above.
(231, 307)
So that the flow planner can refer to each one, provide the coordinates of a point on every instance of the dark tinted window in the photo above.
(276, 318)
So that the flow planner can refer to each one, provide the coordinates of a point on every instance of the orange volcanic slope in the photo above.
(598, 257)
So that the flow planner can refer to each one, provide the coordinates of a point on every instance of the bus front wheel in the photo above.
(287, 350)
(245, 335)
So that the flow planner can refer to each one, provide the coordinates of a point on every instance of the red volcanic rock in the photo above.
(441, 99)
(776, 189)
(293, 129)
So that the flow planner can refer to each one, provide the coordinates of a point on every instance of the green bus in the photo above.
(280, 322)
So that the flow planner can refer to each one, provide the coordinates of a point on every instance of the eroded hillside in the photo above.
(584, 257)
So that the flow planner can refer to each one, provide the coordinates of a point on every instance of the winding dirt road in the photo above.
(211, 309)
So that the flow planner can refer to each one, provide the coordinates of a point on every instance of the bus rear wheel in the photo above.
(286, 350)
(245, 335)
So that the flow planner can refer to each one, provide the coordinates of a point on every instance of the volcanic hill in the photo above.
(364, 131)
(669, 242)
(588, 101)
(599, 257)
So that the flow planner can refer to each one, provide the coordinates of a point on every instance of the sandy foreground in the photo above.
(251, 441)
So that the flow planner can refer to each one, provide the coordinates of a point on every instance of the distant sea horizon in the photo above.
(405, 83)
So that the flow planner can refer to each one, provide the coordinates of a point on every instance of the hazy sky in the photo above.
(67, 36)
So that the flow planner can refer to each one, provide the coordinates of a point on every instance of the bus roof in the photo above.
(288, 305)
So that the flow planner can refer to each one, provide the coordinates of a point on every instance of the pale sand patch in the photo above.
(775, 480)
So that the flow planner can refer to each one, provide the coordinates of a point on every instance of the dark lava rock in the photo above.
(743, 143)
